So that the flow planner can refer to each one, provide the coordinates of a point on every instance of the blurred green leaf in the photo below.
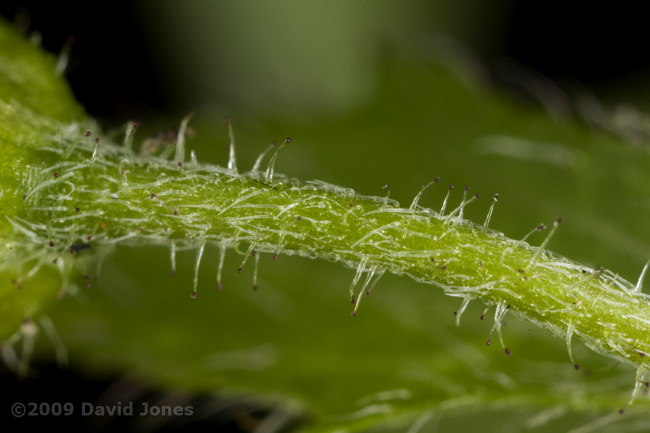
(401, 365)
(402, 360)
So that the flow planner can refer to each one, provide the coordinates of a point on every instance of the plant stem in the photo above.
(62, 204)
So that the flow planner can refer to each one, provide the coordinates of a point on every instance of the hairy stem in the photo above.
(67, 197)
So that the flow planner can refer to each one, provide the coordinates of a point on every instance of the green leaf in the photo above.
(401, 364)
(30, 94)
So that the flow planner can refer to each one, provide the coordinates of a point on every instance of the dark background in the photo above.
(602, 47)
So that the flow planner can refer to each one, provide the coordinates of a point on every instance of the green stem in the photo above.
(56, 193)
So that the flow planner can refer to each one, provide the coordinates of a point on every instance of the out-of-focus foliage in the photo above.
(401, 362)
(293, 339)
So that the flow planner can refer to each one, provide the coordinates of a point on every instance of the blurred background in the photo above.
(542, 102)
(299, 59)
